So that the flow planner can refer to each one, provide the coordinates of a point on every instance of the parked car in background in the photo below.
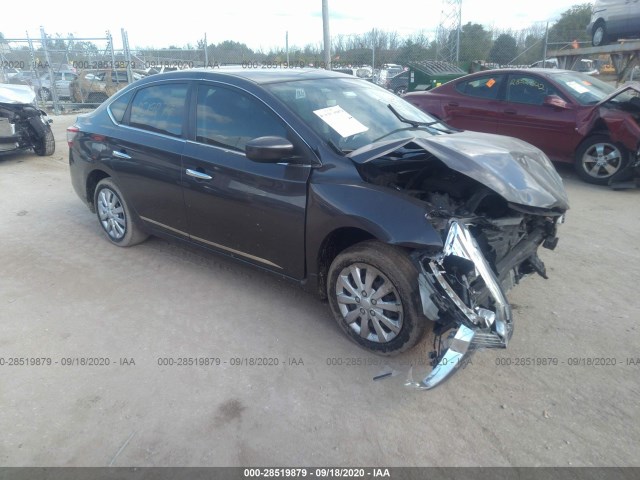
(95, 86)
(23, 77)
(586, 66)
(62, 81)
(386, 72)
(360, 72)
(399, 83)
(548, 63)
(331, 182)
(612, 20)
(571, 116)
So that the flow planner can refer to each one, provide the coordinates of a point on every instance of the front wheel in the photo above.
(373, 294)
(598, 159)
(115, 215)
(46, 144)
(599, 36)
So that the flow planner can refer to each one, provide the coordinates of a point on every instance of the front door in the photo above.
(252, 211)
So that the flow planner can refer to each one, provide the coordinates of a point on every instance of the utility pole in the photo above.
(325, 34)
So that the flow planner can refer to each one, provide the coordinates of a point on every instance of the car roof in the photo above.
(255, 75)
(540, 71)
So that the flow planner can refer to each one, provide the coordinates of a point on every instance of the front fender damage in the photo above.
(474, 307)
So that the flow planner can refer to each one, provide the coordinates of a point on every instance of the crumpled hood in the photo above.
(518, 171)
(623, 88)
(17, 94)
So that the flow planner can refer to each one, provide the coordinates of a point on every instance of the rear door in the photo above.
(252, 211)
(146, 153)
(475, 106)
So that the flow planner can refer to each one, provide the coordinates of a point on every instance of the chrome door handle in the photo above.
(118, 154)
(198, 175)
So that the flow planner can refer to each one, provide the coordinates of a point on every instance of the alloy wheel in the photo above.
(111, 214)
(369, 302)
(602, 160)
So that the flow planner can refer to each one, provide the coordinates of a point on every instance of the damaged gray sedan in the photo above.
(400, 221)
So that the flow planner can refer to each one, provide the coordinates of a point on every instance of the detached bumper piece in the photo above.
(477, 327)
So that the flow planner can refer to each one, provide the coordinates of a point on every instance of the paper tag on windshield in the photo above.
(340, 121)
(577, 87)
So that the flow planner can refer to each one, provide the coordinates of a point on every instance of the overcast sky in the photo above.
(259, 24)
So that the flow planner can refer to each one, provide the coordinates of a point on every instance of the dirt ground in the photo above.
(67, 294)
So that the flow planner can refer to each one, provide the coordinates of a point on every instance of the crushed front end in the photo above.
(463, 287)
(495, 201)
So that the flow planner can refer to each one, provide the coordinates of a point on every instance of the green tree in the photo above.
(572, 25)
(504, 49)
(475, 42)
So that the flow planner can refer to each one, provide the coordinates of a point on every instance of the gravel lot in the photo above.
(66, 293)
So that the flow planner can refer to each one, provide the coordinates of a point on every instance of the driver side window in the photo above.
(528, 89)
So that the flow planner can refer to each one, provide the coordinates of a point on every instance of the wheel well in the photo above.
(92, 181)
(332, 245)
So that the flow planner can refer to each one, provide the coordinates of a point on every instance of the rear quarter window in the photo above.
(119, 106)
(482, 87)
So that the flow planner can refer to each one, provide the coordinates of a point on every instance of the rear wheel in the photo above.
(598, 159)
(46, 145)
(373, 293)
(115, 215)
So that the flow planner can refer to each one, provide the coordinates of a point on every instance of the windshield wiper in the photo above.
(413, 123)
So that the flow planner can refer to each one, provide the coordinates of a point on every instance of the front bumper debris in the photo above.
(477, 327)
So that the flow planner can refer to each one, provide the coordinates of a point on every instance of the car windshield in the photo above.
(585, 89)
(350, 113)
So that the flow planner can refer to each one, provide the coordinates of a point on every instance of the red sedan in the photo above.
(570, 116)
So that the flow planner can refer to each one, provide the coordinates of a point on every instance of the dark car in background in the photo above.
(398, 84)
(333, 183)
(572, 117)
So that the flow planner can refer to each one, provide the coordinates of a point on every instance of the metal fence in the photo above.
(86, 71)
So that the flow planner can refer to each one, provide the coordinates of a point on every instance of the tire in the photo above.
(400, 90)
(46, 145)
(599, 36)
(598, 159)
(356, 303)
(44, 94)
(114, 215)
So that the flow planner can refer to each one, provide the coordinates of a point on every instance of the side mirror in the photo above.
(268, 149)
(555, 102)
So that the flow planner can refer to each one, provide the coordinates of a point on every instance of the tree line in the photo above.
(502, 46)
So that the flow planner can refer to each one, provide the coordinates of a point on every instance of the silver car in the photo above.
(612, 20)
(62, 80)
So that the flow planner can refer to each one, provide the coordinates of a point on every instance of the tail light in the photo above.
(72, 131)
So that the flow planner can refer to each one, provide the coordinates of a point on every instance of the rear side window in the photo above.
(119, 107)
(229, 119)
(482, 87)
(160, 108)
